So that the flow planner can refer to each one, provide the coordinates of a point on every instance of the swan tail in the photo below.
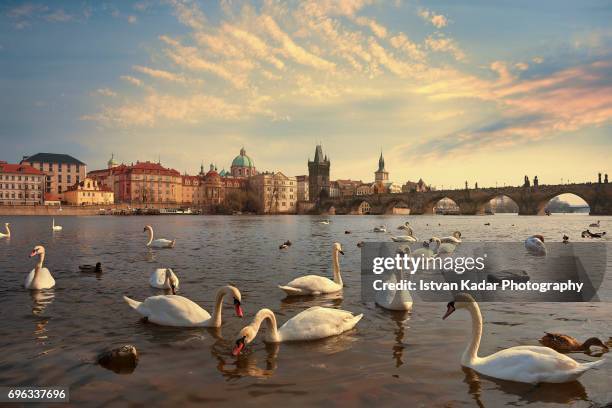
(291, 291)
(173, 243)
(353, 321)
(132, 303)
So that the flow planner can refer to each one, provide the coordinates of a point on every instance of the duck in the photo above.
(347, 232)
(404, 226)
(360, 244)
(285, 244)
(164, 278)
(315, 284)
(589, 234)
(55, 227)
(487, 223)
(178, 311)
(565, 239)
(442, 248)
(535, 245)
(311, 324)
(97, 268)
(525, 364)
(568, 344)
(453, 239)
(595, 224)
(395, 299)
(160, 242)
(380, 228)
(39, 278)
(7, 231)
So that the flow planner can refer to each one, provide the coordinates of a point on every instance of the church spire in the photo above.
(381, 162)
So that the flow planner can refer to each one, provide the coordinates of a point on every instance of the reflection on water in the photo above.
(391, 358)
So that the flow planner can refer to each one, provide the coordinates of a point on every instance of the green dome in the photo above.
(242, 160)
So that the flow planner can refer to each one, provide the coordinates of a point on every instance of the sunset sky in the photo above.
(479, 91)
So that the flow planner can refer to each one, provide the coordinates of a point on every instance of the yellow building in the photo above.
(276, 192)
(88, 192)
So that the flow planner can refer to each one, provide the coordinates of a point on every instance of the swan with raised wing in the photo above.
(312, 324)
(164, 278)
(39, 277)
(393, 299)
(535, 245)
(526, 364)
(315, 284)
(409, 237)
(405, 226)
(55, 227)
(178, 311)
(159, 242)
(7, 233)
(453, 239)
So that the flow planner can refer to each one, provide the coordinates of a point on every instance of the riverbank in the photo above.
(56, 210)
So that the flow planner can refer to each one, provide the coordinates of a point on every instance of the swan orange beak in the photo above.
(238, 347)
(33, 254)
(238, 308)
(449, 310)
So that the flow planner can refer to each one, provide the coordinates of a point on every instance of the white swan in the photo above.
(380, 228)
(527, 364)
(395, 299)
(326, 222)
(178, 311)
(453, 239)
(313, 323)
(160, 242)
(8, 231)
(315, 284)
(405, 226)
(425, 251)
(442, 248)
(39, 277)
(594, 224)
(164, 278)
(55, 227)
(409, 237)
(535, 245)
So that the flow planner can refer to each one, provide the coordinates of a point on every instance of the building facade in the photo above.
(243, 165)
(61, 171)
(418, 187)
(302, 188)
(88, 192)
(318, 175)
(277, 193)
(21, 184)
(348, 188)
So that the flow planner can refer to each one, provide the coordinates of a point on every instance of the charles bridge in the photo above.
(531, 200)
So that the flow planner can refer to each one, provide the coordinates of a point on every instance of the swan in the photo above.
(395, 299)
(8, 231)
(178, 311)
(380, 228)
(55, 227)
(326, 222)
(425, 252)
(160, 242)
(442, 248)
(595, 224)
(164, 278)
(405, 226)
(409, 237)
(535, 245)
(453, 239)
(313, 323)
(315, 284)
(39, 277)
(526, 364)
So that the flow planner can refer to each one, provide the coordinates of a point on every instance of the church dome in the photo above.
(112, 162)
(242, 160)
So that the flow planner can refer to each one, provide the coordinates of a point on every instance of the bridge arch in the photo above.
(360, 206)
(397, 206)
(443, 202)
(498, 203)
(562, 202)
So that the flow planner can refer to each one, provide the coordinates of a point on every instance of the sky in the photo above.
(449, 91)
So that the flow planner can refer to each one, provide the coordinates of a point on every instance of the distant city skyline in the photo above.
(450, 92)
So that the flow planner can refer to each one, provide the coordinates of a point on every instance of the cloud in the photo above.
(59, 16)
(132, 80)
(104, 92)
(438, 20)
(165, 75)
(442, 43)
(378, 30)
(132, 19)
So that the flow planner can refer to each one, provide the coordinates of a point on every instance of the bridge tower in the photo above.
(318, 176)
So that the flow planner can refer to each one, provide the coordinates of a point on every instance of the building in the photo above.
(418, 187)
(21, 184)
(243, 165)
(363, 189)
(334, 189)
(381, 184)
(276, 192)
(192, 190)
(302, 188)
(381, 175)
(88, 192)
(318, 176)
(143, 182)
(61, 170)
(348, 188)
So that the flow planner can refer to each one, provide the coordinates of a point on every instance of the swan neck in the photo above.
(150, 230)
(39, 265)
(218, 307)
(336, 265)
(8, 230)
(470, 355)
(268, 316)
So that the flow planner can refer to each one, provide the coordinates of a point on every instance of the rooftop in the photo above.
(18, 168)
(52, 158)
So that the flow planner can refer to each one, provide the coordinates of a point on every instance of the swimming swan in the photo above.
(160, 242)
(405, 226)
(395, 299)
(39, 277)
(453, 239)
(535, 245)
(164, 278)
(409, 237)
(178, 311)
(380, 228)
(8, 231)
(55, 227)
(313, 323)
(526, 364)
(315, 284)
(442, 248)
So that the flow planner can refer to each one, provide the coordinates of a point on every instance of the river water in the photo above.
(410, 359)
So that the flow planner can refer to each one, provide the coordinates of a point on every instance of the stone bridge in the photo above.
(531, 200)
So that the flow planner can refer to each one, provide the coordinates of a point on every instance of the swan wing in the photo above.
(317, 323)
(450, 240)
(45, 280)
(158, 278)
(393, 299)
(173, 310)
(162, 243)
(312, 284)
(530, 364)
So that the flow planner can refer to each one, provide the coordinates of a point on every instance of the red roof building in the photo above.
(21, 184)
